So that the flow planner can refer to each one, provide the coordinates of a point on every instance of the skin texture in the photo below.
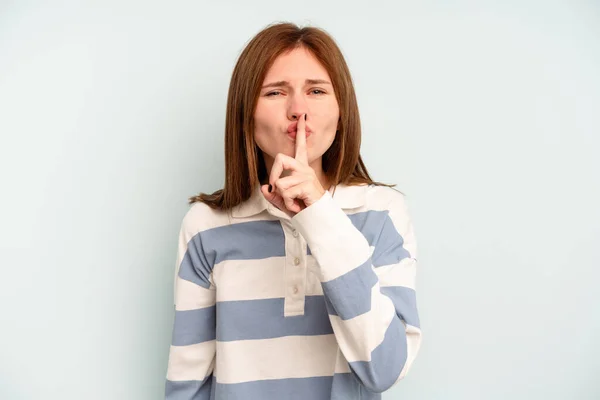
(294, 160)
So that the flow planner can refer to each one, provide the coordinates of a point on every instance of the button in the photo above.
(295, 289)
(296, 261)
(295, 233)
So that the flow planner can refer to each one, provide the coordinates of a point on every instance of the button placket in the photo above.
(295, 271)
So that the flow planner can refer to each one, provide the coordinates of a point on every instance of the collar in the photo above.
(345, 196)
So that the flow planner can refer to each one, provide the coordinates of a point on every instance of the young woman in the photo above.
(296, 280)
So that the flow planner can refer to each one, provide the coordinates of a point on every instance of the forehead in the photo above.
(299, 63)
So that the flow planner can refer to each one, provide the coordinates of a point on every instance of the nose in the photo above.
(296, 106)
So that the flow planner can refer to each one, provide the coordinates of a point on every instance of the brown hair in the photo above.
(244, 164)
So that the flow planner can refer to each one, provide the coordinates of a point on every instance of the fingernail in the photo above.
(270, 188)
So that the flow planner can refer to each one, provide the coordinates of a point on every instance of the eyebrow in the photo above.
(307, 82)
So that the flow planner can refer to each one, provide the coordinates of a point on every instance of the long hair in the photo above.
(244, 164)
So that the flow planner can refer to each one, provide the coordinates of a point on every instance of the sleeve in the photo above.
(369, 288)
(193, 346)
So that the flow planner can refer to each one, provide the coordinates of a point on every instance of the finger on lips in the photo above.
(301, 155)
(284, 191)
(282, 161)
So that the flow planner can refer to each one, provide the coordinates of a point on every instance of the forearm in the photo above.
(369, 330)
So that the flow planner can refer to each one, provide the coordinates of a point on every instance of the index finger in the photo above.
(301, 154)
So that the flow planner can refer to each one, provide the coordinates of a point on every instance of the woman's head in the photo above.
(258, 117)
(296, 84)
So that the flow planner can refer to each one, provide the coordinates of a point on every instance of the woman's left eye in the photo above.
(277, 92)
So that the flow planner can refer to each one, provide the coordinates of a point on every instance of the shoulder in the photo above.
(201, 217)
(384, 198)
(393, 203)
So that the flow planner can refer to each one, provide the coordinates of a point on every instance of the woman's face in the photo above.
(296, 84)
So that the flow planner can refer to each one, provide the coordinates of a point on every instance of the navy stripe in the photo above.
(369, 223)
(347, 386)
(405, 301)
(387, 360)
(263, 319)
(350, 294)
(344, 296)
(313, 388)
(263, 239)
(194, 326)
(380, 232)
(195, 266)
(245, 241)
(343, 386)
(185, 390)
(389, 246)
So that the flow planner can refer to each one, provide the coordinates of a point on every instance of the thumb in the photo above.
(275, 199)
(272, 197)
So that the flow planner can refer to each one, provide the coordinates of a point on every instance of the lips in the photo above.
(293, 129)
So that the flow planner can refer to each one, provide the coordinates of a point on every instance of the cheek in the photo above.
(261, 126)
(260, 120)
(265, 116)
(328, 114)
(262, 139)
(266, 131)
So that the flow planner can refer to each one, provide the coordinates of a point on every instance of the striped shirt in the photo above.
(318, 306)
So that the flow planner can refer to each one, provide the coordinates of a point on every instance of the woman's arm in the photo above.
(193, 345)
(368, 287)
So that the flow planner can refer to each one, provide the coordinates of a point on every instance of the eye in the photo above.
(317, 90)
(270, 94)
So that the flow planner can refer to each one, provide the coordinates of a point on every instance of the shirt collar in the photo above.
(345, 196)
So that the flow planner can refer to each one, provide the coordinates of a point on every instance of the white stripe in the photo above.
(341, 364)
(344, 259)
(334, 234)
(189, 296)
(359, 336)
(260, 279)
(413, 342)
(401, 274)
(193, 362)
(279, 358)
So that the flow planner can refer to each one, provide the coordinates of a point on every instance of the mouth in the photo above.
(293, 130)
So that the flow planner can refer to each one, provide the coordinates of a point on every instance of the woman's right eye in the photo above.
(273, 93)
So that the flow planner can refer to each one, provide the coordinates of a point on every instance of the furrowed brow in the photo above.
(307, 82)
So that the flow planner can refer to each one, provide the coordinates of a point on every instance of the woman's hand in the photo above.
(301, 188)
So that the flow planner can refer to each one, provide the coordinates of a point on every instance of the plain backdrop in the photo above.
(485, 114)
